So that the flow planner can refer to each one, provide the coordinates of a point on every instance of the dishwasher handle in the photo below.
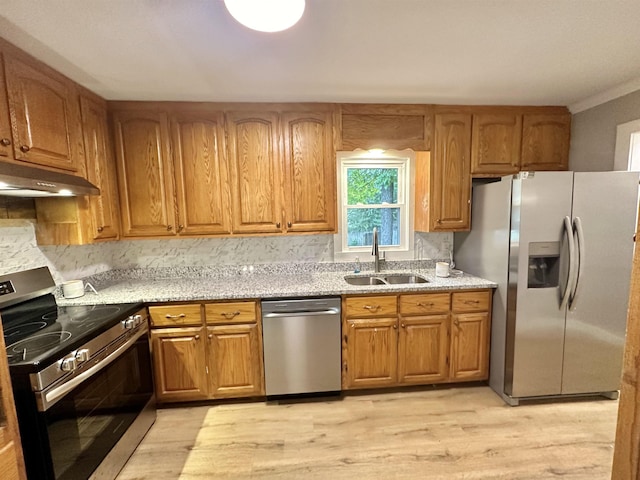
(331, 311)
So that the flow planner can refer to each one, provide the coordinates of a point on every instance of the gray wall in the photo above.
(593, 133)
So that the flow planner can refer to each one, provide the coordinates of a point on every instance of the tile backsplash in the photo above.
(19, 251)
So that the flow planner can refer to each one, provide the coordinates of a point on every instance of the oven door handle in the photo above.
(50, 396)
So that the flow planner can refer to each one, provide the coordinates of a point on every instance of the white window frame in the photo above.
(405, 162)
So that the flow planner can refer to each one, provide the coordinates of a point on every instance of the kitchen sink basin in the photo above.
(386, 279)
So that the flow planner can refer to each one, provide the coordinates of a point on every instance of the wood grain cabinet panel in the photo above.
(179, 360)
(201, 173)
(11, 459)
(371, 352)
(230, 312)
(470, 346)
(145, 173)
(423, 343)
(451, 180)
(176, 315)
(235, 360)
(45, 116)
(495, 145)
(545, 142)
(309, 162)
(256, 171)
(6, 148)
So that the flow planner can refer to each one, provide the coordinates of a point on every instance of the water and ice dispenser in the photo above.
(544, 264)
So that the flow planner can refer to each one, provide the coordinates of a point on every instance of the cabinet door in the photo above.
(100, 170)
(370, 352)
(495, 147)
(470, 346)
(145, 176)
(6, 151)
(423, 346)
(235, 360)
(309, 160)
(179, 364)
(545, 142)
(45, 117)
(256, 172)
(202, 177)
(451, 177)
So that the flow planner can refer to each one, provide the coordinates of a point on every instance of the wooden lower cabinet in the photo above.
(207, 351)
(434, 338)
(235, 360)
(179, 360)
(371, 352)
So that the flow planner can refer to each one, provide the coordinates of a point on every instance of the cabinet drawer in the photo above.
(425, 304)
(371, 306)
(175, 315)
(478, 301)
(230, 312)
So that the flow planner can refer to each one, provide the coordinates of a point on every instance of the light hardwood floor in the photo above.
(452, 433)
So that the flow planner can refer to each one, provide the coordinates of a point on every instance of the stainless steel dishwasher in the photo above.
(302, 345)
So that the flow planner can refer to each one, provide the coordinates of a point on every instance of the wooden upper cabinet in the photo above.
(398, 127)
(6, 149)
(309, 162)
(256, 171)
(45, 116)
(101, 169)
(495, 146)
(450, 173)
(545, 142)
(145, 174)
(201, 173)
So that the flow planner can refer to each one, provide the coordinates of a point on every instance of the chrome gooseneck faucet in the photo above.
(375, 250)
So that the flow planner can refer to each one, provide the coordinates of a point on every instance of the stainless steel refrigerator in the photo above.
(559, 245)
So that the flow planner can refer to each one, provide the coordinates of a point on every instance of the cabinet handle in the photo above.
(197, 337)
(100, 229)
(229, 315)
(278, 225)
(180, 228)
(288, 224)
(420, 304)
(371, 308)
(472, 302)
(182, 315)
(169, 228)
(6, 142)
(25, 148)
(402, 325)
(395, 326)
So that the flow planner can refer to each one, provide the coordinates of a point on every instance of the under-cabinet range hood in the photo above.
(25, 181)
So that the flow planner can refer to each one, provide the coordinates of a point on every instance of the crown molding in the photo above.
(606, 96)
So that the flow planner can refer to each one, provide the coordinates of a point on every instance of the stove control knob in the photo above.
(83, 355)
(138, 319)
(129, 323)
(68, 364)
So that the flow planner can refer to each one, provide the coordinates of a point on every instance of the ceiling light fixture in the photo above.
(266, 15)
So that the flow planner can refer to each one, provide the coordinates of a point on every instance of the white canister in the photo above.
(442, 269)
(73, 289)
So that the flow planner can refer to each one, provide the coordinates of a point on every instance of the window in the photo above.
(374, 191)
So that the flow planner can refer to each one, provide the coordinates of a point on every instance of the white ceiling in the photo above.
(526, 52)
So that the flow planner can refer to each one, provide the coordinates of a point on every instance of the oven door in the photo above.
(83, 426)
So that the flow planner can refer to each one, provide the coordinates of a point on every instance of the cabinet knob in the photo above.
(395, 326)
(180, 228)
(169, 228)
(25, 148)
(210, 336)
(197, 337)
(456, 322)
(100, 229)
(6, 142)
(278, 225)
(288, 224)
(402, 325)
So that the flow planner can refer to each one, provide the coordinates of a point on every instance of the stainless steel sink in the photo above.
(386, 279)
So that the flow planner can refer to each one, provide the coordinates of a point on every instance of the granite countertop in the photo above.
(258, 285)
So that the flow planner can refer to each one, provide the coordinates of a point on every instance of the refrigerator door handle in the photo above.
(568, 230)
(579, 238)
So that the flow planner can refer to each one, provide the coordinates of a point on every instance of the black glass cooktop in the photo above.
(38, 332)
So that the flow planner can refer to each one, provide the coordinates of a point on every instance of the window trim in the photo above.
(405, 161)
